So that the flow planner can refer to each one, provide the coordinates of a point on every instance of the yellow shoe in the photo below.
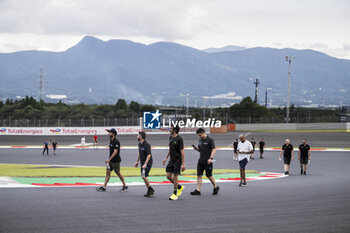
(173, 197)
(179, 191)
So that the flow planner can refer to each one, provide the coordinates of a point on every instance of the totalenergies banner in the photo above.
(46, 131)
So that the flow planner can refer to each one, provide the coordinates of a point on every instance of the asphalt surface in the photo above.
(318, 202)
(272, 139)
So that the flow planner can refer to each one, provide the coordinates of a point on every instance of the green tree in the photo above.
(121, 105)
(134, 106)
(9, 101)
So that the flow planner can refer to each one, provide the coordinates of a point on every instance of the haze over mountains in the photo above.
(164, 72)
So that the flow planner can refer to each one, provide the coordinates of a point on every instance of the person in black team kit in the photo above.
(261, 148)
(113, 163)
(145, 157)
(253, 142)
(206, 148)
(54, 146)
(304, 156)
(177, 161)
(288, 155)
(46, 147)
(235, 146)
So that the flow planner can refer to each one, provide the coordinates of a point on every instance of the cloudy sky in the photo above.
(56, 25)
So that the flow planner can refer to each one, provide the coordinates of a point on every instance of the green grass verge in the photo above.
(24, 170)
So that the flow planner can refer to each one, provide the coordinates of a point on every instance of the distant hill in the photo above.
(224, 49)
(163, 73)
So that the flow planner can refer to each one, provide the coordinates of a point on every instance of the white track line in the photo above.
(156, 148)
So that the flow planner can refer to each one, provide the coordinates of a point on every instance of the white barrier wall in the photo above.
(47, 131)
(292, 126)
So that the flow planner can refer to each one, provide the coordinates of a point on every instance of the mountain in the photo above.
(224, 49)
(163, 73)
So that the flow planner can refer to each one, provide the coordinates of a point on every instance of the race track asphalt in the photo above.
(318, 202)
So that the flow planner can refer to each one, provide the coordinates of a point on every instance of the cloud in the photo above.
(165, 19)
(59, 24)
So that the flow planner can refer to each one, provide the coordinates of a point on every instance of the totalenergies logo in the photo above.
(55, 131)
(3, 130)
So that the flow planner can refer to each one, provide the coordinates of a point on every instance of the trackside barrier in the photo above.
(49, 131)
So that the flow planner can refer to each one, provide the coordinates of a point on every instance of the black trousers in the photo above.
(47, 150)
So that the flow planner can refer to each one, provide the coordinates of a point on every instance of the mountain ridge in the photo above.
(163, 72)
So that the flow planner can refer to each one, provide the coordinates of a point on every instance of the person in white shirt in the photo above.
(245, 149)
(82, 142)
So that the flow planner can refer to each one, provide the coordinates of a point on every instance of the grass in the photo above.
(24, 170)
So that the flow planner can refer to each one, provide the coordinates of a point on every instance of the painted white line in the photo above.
(267, 176)
(156, 148)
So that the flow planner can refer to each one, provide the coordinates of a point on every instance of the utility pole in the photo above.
(187, 102)
(289, 59)
(256, 82)
(267, 88)
(41, 85)
(204, 105)
(266, 98)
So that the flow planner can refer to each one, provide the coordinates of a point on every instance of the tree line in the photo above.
(246, 111)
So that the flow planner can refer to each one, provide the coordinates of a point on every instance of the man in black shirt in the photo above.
(253, 142)
(206, 148)
(177, 161)
(235, 146)
(261, 147)
(288, 155)
(304, 156)
(54, 146)
(113, 163)
(146, 161)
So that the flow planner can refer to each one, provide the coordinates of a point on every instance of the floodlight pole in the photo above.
(256, 82)
(289, 59)
(187, 102)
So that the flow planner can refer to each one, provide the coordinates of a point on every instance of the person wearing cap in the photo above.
(145, 157)
(245, 149)
(206, 148)
(177, 161)
(113, 163)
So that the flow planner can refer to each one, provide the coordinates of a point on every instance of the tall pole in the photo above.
(266, 90)
(187, 102)
(266, 97)
(289, 59)
(41, 84)
(256, 82)
(205, 99)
